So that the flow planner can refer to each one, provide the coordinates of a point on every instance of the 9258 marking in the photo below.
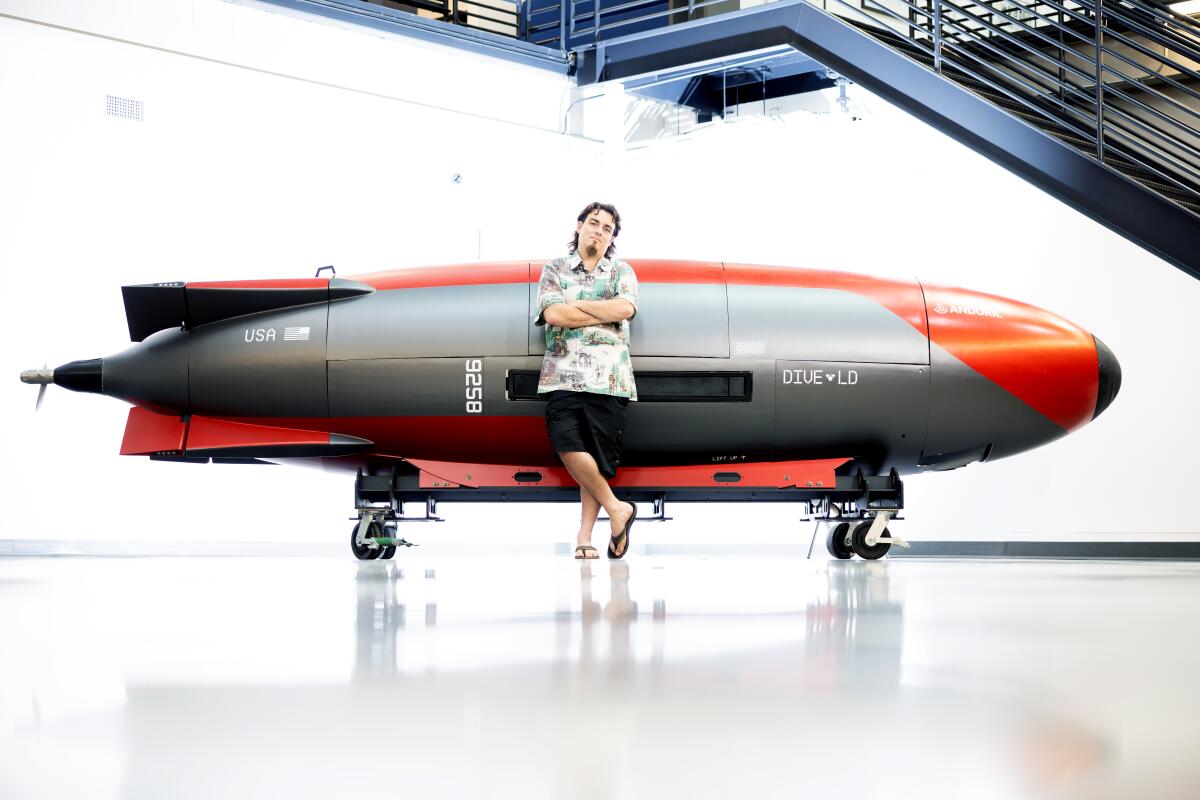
(474, 378)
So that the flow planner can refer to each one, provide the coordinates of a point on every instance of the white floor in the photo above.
(537, 676)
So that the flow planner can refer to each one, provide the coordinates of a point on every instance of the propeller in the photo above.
(43, 377)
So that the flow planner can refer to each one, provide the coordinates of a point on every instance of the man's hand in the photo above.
(569, 315)
(605, 310)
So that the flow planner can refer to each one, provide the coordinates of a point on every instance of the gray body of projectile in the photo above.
(829, 373)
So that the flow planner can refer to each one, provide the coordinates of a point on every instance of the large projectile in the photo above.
(741, 370)
(733, 363)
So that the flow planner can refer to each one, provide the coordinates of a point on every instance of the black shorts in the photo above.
(588, 422)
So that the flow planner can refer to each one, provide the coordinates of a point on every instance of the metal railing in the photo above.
(503, 17)
(584, 22)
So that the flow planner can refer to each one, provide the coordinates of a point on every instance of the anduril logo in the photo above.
(970, 311)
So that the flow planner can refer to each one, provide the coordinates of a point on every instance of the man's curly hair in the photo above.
(583, 215)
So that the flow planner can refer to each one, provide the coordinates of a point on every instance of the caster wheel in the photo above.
(390, 532)
(858, 542)
(365, 553)
(837, 542)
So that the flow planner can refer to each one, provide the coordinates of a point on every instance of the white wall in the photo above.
(273, 144)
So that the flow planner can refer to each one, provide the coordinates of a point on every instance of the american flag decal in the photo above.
(296, 334)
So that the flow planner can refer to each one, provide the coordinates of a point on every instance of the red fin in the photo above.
(221, 438)
(147, 433)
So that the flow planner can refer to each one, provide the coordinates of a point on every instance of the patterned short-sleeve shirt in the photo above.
(594, 358)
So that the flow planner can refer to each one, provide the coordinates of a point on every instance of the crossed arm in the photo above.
(581, 313)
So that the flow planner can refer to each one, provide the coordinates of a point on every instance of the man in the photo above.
(586, 301)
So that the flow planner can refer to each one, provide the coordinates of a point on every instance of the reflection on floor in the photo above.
(536, 676)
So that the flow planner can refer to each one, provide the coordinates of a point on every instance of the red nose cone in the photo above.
(1049, 363)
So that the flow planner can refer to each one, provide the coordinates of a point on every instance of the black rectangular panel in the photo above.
(658, 387)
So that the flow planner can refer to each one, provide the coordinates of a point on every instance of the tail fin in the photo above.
(152, 307)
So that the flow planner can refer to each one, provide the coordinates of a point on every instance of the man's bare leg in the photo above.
(583, 469)
(591, 509)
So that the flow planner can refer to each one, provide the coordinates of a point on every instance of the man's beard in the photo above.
(590, 249)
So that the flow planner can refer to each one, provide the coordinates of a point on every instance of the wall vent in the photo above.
(123, 107)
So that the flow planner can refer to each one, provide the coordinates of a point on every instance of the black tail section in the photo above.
(153, 307)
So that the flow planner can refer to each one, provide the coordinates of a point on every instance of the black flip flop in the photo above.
(583, 547)
(625, 533)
